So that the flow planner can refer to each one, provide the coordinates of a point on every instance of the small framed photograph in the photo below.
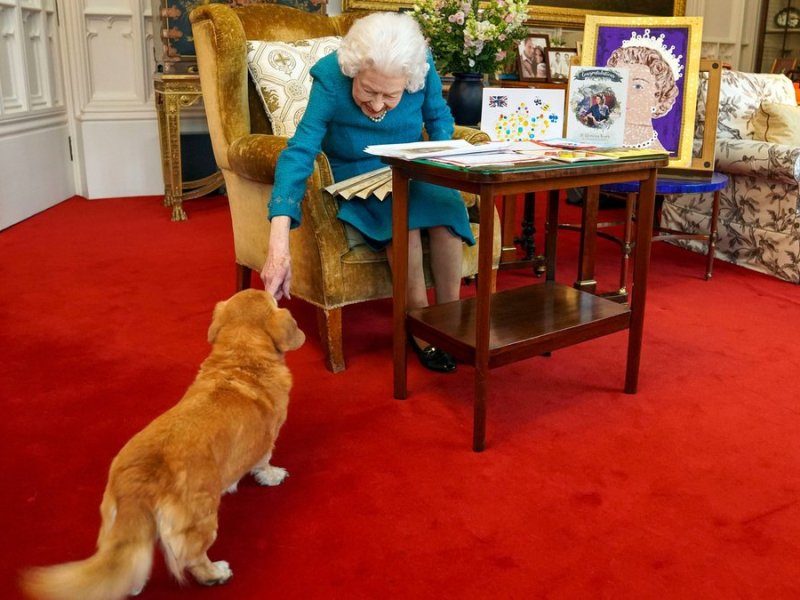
(532, 61)
(558, 63)
(785, 66)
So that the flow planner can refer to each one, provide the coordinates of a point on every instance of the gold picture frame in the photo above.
(572, 13)
(354, 5)
(568, 13)
(673, 124)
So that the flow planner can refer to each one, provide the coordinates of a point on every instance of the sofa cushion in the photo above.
(777, 123)
(280, 70)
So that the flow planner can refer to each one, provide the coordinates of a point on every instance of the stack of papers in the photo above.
(414, 150)
(377, 183)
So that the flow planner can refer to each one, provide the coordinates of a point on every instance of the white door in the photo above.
(36, 171)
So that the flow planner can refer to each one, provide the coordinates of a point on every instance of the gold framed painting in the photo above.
(350, 5)
(555, 12)
(661, 98)
(572, 13)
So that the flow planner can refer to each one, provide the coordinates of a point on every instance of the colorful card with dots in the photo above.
(522, 114)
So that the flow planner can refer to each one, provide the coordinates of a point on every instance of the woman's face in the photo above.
(641, 94)
(375, 93)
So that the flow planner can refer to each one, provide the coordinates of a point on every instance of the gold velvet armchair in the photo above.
(326, 271)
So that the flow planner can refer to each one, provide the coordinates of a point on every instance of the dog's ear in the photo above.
(284, 331)
(216, 321)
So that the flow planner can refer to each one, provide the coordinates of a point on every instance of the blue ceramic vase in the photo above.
(465, 98)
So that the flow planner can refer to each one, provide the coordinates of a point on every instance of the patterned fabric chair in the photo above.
(328, 271)
(759, 217)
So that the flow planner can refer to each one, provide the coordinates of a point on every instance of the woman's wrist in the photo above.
(279, 234)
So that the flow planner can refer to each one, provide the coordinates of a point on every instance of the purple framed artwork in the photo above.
(662, 56)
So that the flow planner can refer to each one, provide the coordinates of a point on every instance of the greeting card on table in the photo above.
(522, 114)
(596, 105)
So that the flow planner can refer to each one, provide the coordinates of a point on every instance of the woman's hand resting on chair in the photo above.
(277, 271)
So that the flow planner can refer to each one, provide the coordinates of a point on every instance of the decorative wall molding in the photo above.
(108, 42)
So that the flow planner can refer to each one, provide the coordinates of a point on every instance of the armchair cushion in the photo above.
(281, 71)
(778, 123)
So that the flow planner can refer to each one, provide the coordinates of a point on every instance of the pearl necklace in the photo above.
(645, 144)
(379, 118)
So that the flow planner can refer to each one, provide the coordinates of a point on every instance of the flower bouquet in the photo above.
(468, 38)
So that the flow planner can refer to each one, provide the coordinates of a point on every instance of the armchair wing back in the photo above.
(759, 216)
(327, 272)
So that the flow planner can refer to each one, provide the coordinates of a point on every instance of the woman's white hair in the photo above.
(391, 43)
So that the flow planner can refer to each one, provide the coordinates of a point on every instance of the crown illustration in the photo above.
(657, 44)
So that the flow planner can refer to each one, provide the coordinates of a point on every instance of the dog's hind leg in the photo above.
(266, 474)
(190, 537)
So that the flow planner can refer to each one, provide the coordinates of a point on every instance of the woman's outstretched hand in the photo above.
(277, 271)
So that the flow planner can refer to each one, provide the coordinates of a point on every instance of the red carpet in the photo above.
(688, 489)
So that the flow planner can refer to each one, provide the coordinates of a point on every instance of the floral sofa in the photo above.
(759, 217)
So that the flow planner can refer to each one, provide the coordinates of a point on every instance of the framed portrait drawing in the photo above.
(662, 97)
(558, 63)
(531, 58)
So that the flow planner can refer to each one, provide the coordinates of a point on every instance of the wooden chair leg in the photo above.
(243, 275)
(330, 334)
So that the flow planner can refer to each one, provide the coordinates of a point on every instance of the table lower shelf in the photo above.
(524, 322)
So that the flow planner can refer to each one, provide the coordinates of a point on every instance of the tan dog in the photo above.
(166, 482)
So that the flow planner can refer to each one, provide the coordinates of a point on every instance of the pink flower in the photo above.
(457, 18)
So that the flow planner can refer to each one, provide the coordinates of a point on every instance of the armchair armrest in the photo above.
(254, 156)
(473, 136)
(764, 160)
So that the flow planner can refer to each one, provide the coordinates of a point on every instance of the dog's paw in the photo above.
(222, 573)
(270, 475)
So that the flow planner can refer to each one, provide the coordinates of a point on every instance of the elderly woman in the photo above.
(380, 87)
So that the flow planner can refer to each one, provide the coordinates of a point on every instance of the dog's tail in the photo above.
(121, 565)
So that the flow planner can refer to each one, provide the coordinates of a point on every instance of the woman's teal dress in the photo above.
(334, 124)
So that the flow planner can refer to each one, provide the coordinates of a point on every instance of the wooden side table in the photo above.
(491, 330)
(173, 93)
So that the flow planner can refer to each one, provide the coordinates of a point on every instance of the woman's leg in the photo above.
(446, 257)
(430, 357)
(417, 296)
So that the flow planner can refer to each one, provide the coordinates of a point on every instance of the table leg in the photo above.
(482, 321)
(641, 267)
(627, 246)
(527, 240)
(712, 235)
(173, 176)
(551, 234)
(588, 240)
(400, 278)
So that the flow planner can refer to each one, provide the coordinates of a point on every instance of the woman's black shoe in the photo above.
(433, 358)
